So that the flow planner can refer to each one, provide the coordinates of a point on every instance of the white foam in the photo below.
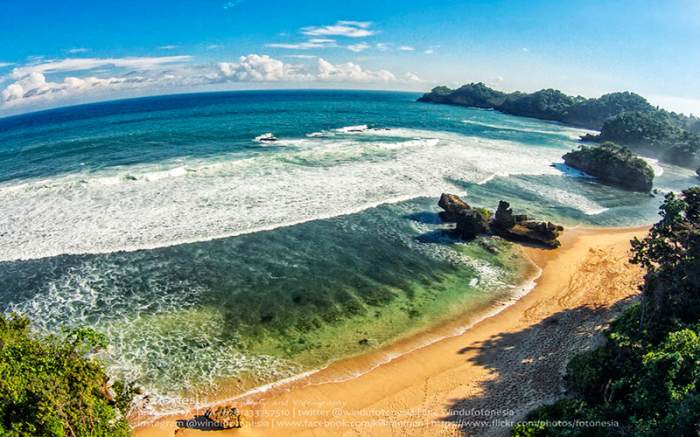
(353, 129)
(654, 164)
(266, 137)
(541, 128)
(147, 206)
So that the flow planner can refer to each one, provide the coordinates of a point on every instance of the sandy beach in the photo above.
(474, 383)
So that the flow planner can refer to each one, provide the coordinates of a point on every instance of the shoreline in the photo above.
(391, 372)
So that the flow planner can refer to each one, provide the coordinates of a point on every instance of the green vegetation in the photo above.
(546, 104)
(657, 133)
(646, 378)
(613, 164)
(51, 386)
(625, 118)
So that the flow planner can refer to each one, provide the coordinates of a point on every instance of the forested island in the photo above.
(623, 117)
(613, 164)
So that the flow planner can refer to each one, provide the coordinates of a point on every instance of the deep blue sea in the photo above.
(205, 254)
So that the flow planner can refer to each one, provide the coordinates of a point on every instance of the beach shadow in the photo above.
(439, 236)
(425, 217)
(527, 368)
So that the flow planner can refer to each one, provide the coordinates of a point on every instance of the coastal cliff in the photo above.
(614, 165)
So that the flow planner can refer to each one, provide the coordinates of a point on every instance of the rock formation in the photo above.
(472, 222)
(225, 417)
(452, 205)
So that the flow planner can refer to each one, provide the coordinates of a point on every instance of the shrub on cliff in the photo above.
(645, 380)
(50, 386)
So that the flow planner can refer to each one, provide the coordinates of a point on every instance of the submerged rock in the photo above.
(452, 205)
(613, 164)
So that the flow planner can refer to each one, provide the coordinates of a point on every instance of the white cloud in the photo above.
(313, 43)
(410, 77)
(429, 51)
(406, 48)
(6, 64)
(78, 50)
(301, 56)
(383, 46)
(30, 83)
(42, 84)
(350, 29)
(214, 46)
(81, 64)
(357, 47)
(350, 72)
(167, 47)
(261, 68)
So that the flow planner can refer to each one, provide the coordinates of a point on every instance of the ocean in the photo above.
(205, 255)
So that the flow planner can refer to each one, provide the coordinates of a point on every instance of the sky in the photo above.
(74, 51)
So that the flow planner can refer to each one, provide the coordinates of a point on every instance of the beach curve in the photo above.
(476, 382)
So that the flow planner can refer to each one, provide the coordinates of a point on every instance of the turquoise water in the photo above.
(204, 254)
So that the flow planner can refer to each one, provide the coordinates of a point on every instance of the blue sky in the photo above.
(57, 53)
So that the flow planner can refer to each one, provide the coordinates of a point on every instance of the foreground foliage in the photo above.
(646, 378)
(49, 386)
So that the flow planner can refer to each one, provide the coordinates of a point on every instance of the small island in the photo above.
(613, 164)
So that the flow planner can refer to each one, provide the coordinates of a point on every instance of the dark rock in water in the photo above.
(363, 342)
(452, 205)
(472, 222)
(225, 417)
(504, 216)
(542, 233)
(697, 172)
(614, 165)
(505, 219)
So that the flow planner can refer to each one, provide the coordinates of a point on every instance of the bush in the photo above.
(52, 386)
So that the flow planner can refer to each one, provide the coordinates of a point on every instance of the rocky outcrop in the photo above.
(452, 205)
(520, 228)
(472, 222)
(614, 165)
(224, 417)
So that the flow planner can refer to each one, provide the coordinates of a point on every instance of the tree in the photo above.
(54, 386)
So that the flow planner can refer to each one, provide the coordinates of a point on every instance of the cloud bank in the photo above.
(47, 83)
